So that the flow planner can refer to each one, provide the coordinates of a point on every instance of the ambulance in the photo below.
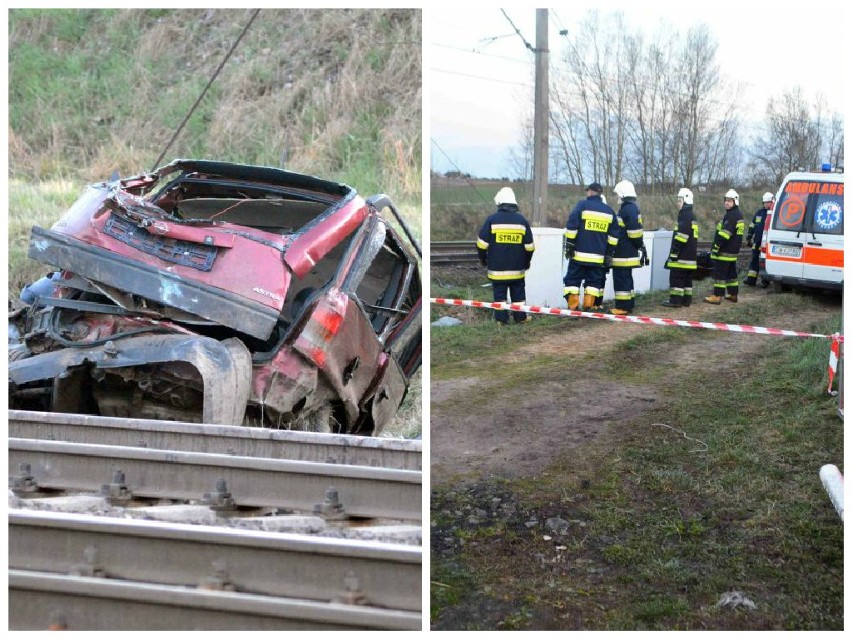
(802, 243)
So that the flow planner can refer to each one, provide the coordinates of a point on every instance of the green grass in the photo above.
(96, 90)
(33, 204)
(664, 525)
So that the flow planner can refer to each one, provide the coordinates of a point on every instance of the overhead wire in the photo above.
(482, 77)
(490, 55)
(204, 91)
(520, 35)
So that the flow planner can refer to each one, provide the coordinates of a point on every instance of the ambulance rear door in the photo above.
(824, 243)
(804, 239)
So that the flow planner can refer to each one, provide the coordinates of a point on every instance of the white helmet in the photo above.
(686, 195)
(768, 197)
(733, 195)
(505, 196)
(603, 198)
(624, 189)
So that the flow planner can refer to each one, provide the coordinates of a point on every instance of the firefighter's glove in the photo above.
(643, 256)
(607, 262)
(748, 243)
(569, 250)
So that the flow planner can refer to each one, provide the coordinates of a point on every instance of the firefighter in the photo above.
(505, 246)
(755, 236)
(726, 247)
(630, 252)
(683, 253)
(591, 235)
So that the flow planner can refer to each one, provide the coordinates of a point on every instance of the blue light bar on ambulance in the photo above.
(826, 167)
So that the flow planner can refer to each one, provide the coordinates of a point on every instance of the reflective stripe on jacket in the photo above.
(505, 243)
(630, 235)
(592, 227)
(729, 235)
(684, 241)
(755, 229)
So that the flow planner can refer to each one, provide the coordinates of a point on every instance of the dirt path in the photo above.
(525, 429)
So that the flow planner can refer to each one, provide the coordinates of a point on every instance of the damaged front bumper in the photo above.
(223, 368)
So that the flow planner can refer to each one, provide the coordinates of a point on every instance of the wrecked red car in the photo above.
(226, 294)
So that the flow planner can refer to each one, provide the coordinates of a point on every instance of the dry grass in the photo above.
(335, 93)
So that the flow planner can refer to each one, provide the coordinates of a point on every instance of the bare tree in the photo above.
(520, 156)
(624, 107)
(590, 94)
(649, 82)
(659, 112)
(834, 140)
(793, 136)
(566, 148)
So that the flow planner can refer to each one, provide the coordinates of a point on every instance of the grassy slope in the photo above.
(331, 92)
(659, 531)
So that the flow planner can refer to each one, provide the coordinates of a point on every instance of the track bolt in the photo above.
(117, 493)
(352, 593)
(331, 508)
(220, 499)
(91, 566)
(23, 482)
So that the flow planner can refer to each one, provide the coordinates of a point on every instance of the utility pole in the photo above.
(541, 120)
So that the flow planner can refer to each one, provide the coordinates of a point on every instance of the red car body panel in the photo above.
(276, 260)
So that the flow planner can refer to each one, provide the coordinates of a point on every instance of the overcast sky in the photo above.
(481, 75)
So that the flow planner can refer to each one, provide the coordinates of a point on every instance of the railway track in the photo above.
(208, 438)
(456, 253)
(463, 253)
(142, 525)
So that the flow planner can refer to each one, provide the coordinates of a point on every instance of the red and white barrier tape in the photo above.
(633, 319)
(836, 338)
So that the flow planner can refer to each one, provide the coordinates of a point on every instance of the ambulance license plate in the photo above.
(786, 251)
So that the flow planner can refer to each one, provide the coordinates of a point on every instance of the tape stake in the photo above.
(833, 358)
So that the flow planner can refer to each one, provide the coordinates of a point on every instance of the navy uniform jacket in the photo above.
(684, 249)
(630, 237)
(729, 236)
(755, 229)
(593, 229)
(505, 243)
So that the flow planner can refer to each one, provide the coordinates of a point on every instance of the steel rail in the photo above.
(211, 438)
(276, 564)
(38, 601)
(277, 483)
